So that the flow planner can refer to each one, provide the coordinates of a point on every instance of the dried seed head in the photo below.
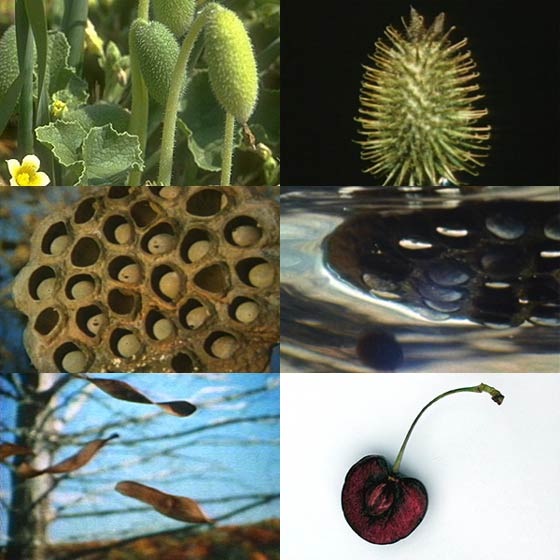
(59, 244)
(128, 345)
(261, 275)
(245, 236)
(198, 250)
(232, 67)
(46, 288)
(169, 285)
(130, 274)
(176, 14)
(163, 328)
(417, 109)
(123, 234)
(247, 312)
(82, 289)
(161, 243)
(74, 362)
(95, 323)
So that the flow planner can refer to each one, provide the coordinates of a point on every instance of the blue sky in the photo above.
(238, 459)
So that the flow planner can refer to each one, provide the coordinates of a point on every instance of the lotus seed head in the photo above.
(163, 328)
(123, 234)
(247, 312)
(261, 275)
(169, 193)
(245, 236)
(169, 284)
(198, 250)
(95, 323)
(74, 362)
(131, 274)
(82, 289)
(128, 345)
(59, 244)
(197, 317)
(224, 347)
(46, 288)
(161, 243)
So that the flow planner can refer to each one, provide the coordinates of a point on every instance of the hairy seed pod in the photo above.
(232, 67)
(176, 14)
(417, 109)
(157, 51)
(9, 67)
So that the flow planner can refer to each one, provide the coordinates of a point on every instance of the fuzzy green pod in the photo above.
(176, 14)
(9, 67)
(231, 62)
(157, 51)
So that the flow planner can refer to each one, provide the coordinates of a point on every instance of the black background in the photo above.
(325, 43)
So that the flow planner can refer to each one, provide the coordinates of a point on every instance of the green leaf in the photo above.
(100, 114)
(9, 65)
(204, 122)
(58, 71)
(109, 156)
(64, 139)
(9, 102)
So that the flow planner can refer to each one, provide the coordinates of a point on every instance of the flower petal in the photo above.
(40, 179)
(13, 182)
(31, 162)
(13, 166)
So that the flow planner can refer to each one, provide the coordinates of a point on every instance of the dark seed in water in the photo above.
(505, 226)
(449, 273)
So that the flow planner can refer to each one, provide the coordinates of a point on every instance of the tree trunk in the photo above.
(30, 512)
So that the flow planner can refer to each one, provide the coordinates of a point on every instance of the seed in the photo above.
(196, 317)
(224, 347)
(163, 328)
(130, 274)
(128, 345)
(247, 312)
(169, 192)
(123, 234)
(245, 236)
(169, 284)
(74, 362)
(161, 243)
(95, 323)
(59, 244)
(82, 289)
(261, 275)
(46, 288)
(198, 250)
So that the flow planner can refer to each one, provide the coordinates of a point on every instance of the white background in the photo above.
(492, 472)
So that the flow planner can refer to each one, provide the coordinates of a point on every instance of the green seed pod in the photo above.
(416, 111)
(176, 14)
(9, 67)
(232, 67)
(157, 51)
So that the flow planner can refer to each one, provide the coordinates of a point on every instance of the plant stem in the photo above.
(174, 96)
(482, 388)
(25, 46)
(74, 25)
(140, 100)
(227, 150)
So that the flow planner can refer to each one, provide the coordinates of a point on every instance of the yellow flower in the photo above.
(58, 109)
(93, 42)
(27, 173)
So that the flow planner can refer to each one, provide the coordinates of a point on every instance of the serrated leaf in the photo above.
(108, 156)
(204, 121)
(64, 140)
(100, 114)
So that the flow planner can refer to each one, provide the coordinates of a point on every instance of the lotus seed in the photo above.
(198, 250)
(130, 274)
(169, 192)
(197, 317)
(95, 323)
(82, 289)
(169, 285)
(128, 345)
(245, 236)
(123, 234)
(46, 288)
(161, 243)
(261, 275)
(247, 312)
(224, 347)
(59, 244)
(163, 328)
(74, 362)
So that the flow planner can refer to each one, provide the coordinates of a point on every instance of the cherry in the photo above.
(381, 505)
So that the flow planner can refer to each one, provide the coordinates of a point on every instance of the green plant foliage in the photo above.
(177, 15)
(64, 139)
(158, 52)
(100, 114)
(231, 62)
(9, 66)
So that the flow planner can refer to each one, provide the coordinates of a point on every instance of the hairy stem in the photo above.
(482, 388)
(173, 99)
(227, 150)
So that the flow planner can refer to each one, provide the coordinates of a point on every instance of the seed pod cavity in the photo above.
(175, 14)
(158, 52)
(417, 107)
(232, 67)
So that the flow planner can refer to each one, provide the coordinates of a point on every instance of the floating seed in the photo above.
(163, 328)
(505, 226)
(82, 289)
(224, 347)
(161, 244)
(59, 244)
(247, 312)
(552, 228)
(128, 345)
(169, 284)
(198, 250)
(448, 273)
(74, 362)
(261, 275)
(46, 288)
(123, 234)
(245, 236)
(130, 274)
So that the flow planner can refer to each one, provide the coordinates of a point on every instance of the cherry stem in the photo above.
(497, 397)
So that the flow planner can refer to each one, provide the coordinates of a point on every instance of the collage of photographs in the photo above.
(213, 347)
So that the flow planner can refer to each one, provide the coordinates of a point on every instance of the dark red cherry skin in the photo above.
(380, 506)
